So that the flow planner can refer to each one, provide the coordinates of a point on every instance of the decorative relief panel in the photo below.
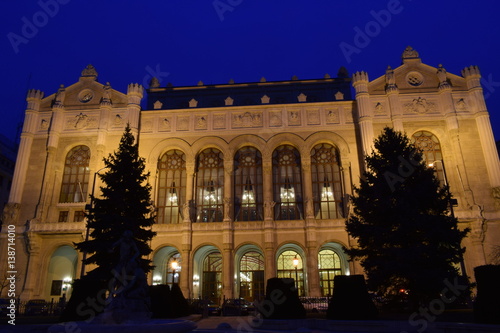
(332, 116)
(219, 121)
(201, 122)
(379, 108)
(182, 123)
(275, 119)
(348, 114)
(80, 121)
(313, 117)
(247, 119)
(294, 117)
(118, 120)
(461, 105)
(44, 124)
(147, 125)
(165, 124)
(420, 105)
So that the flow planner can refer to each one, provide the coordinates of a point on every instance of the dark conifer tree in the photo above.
(406, 237)
(125, 205)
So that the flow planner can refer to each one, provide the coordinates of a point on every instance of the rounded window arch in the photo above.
(430, 148)
(75, 181)
(171, 186)
(209, 186)
(287, 182)
(326, 182)
(212, 276)
(290, 265)
(248, 185)
(165, 272)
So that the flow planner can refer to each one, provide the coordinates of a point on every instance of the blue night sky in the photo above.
(48, 42)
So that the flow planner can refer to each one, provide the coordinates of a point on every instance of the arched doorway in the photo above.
(168, 266)
(61, 272)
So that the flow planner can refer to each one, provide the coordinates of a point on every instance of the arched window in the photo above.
(62, 271)
(248, 185)
(287, 183)
(290, 265)
(212, 277)
(326, 182)
(75, 179)
(209, 186)
(430, 147)
(252, 276)
(329, 265)
(171, 186)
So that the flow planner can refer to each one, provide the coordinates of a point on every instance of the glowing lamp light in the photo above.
(295, 261)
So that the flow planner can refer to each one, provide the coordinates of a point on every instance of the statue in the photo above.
(269, 209)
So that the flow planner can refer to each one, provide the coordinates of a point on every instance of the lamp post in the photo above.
(295, 262)
(87, 208)
(451, 203)
(174, 265)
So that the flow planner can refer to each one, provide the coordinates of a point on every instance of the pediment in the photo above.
(415, 76)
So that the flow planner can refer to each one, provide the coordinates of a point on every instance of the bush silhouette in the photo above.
(350, 299)
(487, 304)
(282, 300)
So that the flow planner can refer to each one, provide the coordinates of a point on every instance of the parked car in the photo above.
(198, 306)
(36, 307)
(237, 307)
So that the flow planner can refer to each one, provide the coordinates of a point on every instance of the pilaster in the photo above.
(360, 83)
(134, 95)
(392, 92)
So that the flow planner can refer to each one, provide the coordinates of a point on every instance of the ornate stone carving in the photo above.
(332, 116)
(313, 117)
(302, 97)
(409, 53)
(420, 105)
(80, 121)
(339, 96)
(229, 101)
(294, 117)
(348, 115)
(275, 118)
(264, 99)
(461, 105)
(165, 124)
(157, 105)
(118, 120)
(11, 213)
(219, 121)
(379, 108)
(269, 209)
(59, 100)
(44, 124)
(147, 125)
(106, 95)
(89, 71)
(182, 123)
(201, 122)
(247, 119)
(154, 82)
(227, 209)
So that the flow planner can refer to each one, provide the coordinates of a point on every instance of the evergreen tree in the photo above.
(125, 206)
(406, 237)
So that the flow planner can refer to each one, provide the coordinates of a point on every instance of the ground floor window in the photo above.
(212, 277)
(290, 266)
(329, 265)
(252, 276)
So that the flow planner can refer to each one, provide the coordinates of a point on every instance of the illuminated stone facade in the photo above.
(246, 177)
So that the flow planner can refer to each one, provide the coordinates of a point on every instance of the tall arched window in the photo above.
(326, 182)
(252, 276)
(430, 147)
(209, 186)
(290, 265)
(171, 186)
(287, 183)
(248, 185)
(329, 265)
(75, 179)
(212, 277)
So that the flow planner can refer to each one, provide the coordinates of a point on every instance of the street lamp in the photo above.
(451, 203)
(174, 265)
(295, 262)
(87, 208)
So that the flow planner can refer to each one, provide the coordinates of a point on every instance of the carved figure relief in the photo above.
(118, 120)
(44, 124)
(275, 118)
(420, 105)
(313, 117)
(165, 124)
(201, 122)
(220, 121)
(379, 108)
(332, 116)
(461, 105)
(182, 123)
(294, 117)
(247, 119)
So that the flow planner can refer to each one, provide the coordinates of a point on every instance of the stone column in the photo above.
(473, 77)
(228, 272)
(189, 203)
(312, 270)
(392, 91)
(185, 278)
(228, 189)
(360, 83)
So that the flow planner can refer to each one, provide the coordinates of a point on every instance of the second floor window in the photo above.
(171, 186)
(248, 185)
(287, 182)
(76, 175)
(209, 186)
